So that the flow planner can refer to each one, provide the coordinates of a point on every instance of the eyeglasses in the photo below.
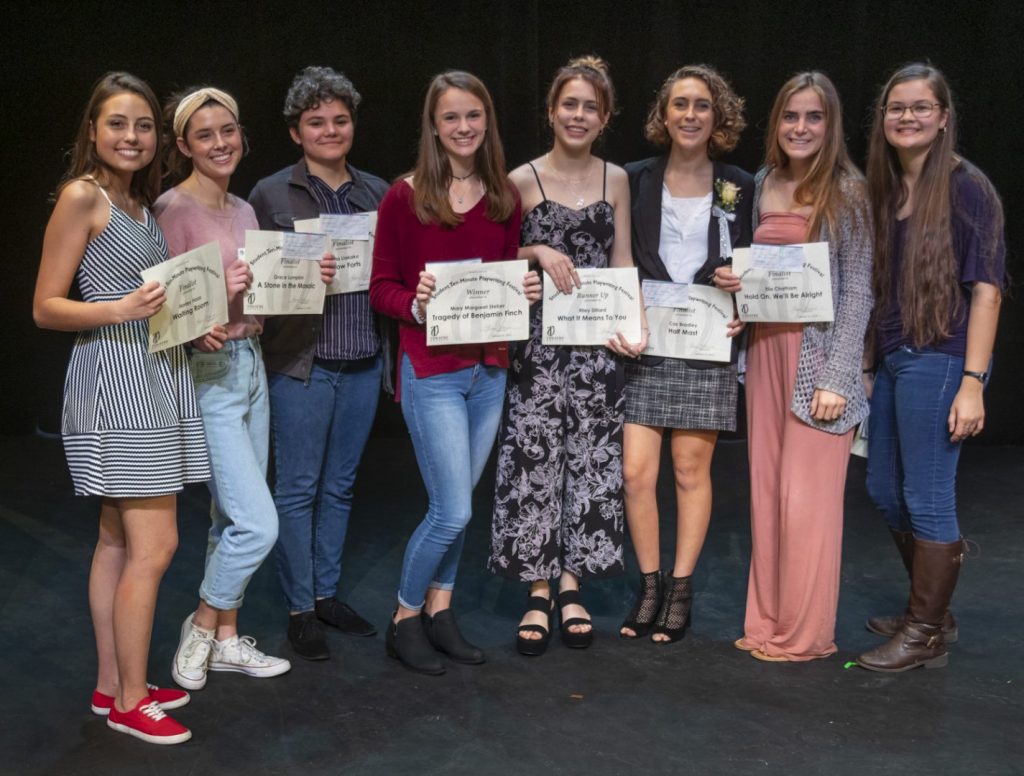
(919, 110)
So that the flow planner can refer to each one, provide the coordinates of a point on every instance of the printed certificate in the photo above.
(285, 273)
(352, 246)
(607, 302)
(197, 299)
(477, 302)
(698, 329)
(772, 292)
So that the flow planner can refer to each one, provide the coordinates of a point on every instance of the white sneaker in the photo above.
(193, 654)
(241, 655)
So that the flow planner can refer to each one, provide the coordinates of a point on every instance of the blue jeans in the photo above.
(319, 428)
(231, 385)
(453, 421)
(911, 462)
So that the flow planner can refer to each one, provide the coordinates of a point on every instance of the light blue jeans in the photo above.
(232, 389)
(320, 427)
(911, 462)
(453, 421)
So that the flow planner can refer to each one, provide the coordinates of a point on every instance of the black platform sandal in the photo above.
(536, 647)
(645, 609)
(674, 617)
(570, 638)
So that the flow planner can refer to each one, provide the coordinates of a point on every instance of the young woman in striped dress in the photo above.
(131, 425)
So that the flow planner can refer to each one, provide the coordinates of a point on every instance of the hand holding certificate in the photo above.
(688, 321)
(784, 283)
(606, 304)
(352, 246)
(197, 299)
(477, 302)
(285, 273)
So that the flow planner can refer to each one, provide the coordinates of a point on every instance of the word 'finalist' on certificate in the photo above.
(477, 302)
(784, 283)
(197, 299)
(285, 273)
(606, 303)
(352, 245)
(694, 324)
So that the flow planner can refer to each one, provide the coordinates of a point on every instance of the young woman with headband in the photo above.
(206, 144)
(456, 204)
(131, 425)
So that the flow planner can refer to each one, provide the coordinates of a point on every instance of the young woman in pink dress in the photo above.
(804, 390)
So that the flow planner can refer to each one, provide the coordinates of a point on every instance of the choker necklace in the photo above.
(460, 197)
(463, 177)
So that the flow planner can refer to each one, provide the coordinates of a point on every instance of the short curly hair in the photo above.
(314, 85)
(727, 105)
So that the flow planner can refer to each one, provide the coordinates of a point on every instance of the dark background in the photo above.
(52, 53)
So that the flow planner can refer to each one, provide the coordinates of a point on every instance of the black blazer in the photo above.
(646, 179)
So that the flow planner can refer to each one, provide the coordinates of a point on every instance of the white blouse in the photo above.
(683, 247)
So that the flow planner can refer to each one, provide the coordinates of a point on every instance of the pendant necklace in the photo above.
(576, 186)
(459, 198)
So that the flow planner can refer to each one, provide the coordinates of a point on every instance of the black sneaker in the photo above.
(343, 617)
(307, 636)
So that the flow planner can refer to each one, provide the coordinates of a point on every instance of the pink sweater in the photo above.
(187, 224)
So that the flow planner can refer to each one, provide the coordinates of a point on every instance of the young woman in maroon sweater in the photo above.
(456, 204)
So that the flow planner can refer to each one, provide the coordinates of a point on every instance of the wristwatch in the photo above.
(979, 376)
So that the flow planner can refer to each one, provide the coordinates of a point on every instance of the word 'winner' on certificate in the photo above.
(196, 301)
(784, 283)
(477, 302)
(606, 303)
(285, 273)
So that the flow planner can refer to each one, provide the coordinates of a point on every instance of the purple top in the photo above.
(972, 224)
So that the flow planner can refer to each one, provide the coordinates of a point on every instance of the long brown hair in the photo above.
(433, 172)
(928, 286)
(725, 103)
(145, 185)
(820, 187)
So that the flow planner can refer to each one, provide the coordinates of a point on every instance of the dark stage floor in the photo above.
(620, 707)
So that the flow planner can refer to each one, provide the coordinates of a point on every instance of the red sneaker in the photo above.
(148, 722)
(168, 698)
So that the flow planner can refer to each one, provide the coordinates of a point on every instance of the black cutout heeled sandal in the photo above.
(645, 609)
(674, 617)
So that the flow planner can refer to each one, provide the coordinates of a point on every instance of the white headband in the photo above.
(190, 103)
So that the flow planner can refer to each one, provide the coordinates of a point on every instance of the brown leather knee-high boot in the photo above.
(919, 641)
(888, 625)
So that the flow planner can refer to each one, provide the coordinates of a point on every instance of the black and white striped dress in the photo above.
(131, 422)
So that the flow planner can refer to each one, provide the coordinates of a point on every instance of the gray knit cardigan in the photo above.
(831, 353)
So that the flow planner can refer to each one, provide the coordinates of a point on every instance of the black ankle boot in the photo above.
(443, 633)
(674, 617)
(407, 642)
(645, 609)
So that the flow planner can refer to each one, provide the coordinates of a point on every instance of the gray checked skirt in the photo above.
(674, 395)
